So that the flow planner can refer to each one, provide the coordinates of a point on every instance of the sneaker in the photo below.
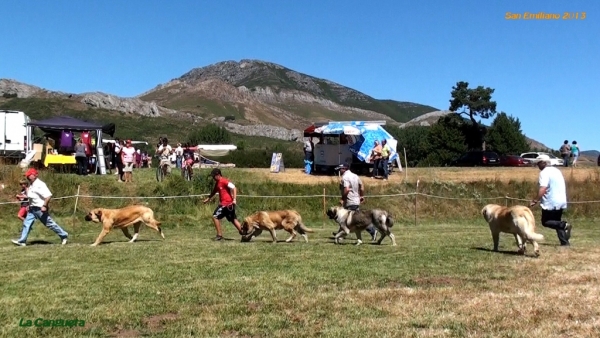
(15, 242)
(568, 228)
(64, 241)
(218, 238)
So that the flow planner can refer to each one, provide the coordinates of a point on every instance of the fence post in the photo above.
(416, 194)
(76, 199)
(506, 200)
(405, 166)
(324, 204)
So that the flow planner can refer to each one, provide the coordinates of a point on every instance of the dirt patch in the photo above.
(125, 333)
(436, 281)
(158, 322)
(254, 306)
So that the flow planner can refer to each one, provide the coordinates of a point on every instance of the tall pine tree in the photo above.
(505, 136)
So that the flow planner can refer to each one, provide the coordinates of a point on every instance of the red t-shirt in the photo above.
(223, 190)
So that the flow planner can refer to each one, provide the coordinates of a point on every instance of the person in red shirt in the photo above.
(226, 208)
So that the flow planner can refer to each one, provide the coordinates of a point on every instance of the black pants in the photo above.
(120, 168)
(81, 165)
(553, 219)
(376, 167)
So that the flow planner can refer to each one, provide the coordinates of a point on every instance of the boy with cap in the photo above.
(39, 197)
(227, 195)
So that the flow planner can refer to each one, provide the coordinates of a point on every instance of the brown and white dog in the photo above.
(517, 220)
(289, 220)
(121, 219)
(357, 221)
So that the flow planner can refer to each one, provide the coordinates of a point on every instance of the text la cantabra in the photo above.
(40, 322)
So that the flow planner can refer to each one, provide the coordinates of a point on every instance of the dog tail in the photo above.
(523, 222)
(304, 228)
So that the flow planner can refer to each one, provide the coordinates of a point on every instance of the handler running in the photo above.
(227, 194)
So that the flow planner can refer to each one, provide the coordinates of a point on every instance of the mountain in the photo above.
(254, 91)
(590, 153)
(250, 97)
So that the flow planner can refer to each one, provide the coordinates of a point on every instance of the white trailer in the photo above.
(15, 136)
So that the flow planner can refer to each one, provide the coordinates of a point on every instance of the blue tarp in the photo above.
(365, 135)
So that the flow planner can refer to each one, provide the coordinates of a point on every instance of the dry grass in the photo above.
(502, 174)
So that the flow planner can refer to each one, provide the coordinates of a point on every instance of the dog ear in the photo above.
(99, 214)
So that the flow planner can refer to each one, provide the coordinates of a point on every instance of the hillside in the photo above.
(253, 91)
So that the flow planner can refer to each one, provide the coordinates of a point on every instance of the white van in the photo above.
(15, 135)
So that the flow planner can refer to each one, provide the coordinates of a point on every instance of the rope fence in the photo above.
(304, 196)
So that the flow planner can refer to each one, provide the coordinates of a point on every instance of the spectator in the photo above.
(39, 197)
(178, 156)
(309, 156)
(574, 153)
(376, 159)
(127, 158)
(385, 158)
(138, 158)
(118, 159)
(81, 157)
(565, 152)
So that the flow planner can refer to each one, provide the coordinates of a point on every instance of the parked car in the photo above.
(533, 157)
(477, 158)
(513, 161)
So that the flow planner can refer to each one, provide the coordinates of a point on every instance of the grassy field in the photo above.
(441, 280)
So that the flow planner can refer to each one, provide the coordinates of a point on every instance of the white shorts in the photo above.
(128, 167)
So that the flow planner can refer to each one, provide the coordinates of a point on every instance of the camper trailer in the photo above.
(15, 136)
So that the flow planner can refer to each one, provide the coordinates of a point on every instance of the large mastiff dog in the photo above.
(517, 220)
(289, 220)
(122, 218)
(357, 221)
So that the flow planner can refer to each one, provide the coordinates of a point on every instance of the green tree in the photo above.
(473, 102)
(446, 141)
(505, 136)
(210, 134)
(414, 140)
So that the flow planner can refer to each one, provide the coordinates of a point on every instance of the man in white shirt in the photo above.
(552, 196)
(178, 155)
(352, 191)
(39, 197)
(164, 151)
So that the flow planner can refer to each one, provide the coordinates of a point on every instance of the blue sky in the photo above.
(545, 72)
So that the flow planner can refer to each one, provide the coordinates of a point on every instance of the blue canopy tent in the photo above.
(361, 136)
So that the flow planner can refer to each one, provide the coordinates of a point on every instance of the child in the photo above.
(22, 196)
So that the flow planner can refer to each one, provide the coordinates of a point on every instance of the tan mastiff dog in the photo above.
(289, 220)
(517, 220)
(121, 219)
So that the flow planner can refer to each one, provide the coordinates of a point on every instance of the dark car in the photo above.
(477, 158)
(513, 161)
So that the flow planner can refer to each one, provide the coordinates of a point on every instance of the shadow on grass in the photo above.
(504, 252)
(127, 241)
(40, 242)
